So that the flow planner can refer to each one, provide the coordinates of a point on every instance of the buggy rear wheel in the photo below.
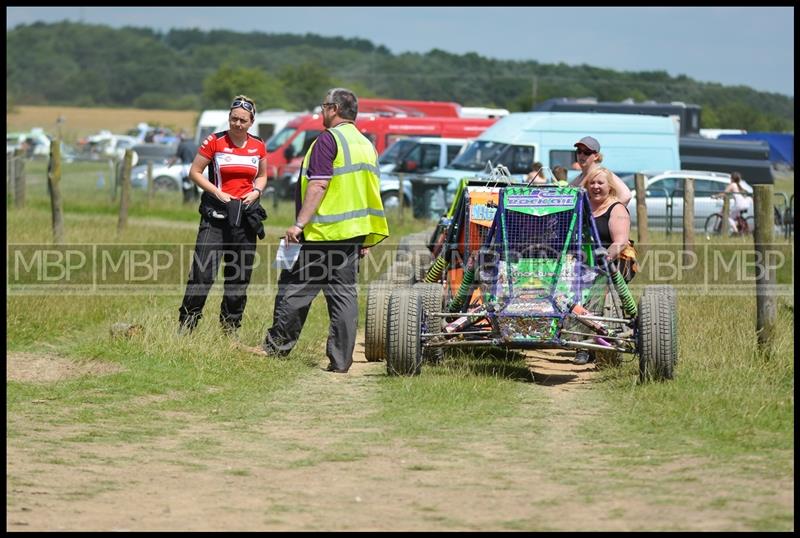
(375, 324)
(658, 334)
(432, 302)
(403, 343)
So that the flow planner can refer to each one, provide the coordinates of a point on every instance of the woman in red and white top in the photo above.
(230, 216)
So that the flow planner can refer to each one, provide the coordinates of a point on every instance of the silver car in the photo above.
(664, 196)
(165, 177)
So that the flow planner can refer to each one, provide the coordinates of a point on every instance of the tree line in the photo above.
(77, 64)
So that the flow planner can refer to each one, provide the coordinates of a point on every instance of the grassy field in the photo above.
(470, 444)
(79, 122)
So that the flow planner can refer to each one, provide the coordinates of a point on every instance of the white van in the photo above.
(628, 142)
(208, 122)
(265, 124)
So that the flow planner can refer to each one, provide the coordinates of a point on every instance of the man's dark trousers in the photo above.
(330, 267)
(218, 241)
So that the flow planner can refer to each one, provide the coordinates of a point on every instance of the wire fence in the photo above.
(665, 210)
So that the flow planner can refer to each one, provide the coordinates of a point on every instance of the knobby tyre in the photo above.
(432, 302)
(657, 334)
(403, 343)
(378, 294)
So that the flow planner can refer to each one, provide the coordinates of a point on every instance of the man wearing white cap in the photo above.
(589, 158)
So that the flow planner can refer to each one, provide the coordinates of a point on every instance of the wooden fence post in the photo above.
(766, 305)
(112, 178)
(10, 174)
(19, 178)
(726, 214)
(688, 221)
(54, 187)
(125, 193)
(641, 211)
(400, 189)
(151, 188)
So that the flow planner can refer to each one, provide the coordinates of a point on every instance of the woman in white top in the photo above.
(740, 201)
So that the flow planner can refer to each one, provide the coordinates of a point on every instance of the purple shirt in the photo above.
(320, 164)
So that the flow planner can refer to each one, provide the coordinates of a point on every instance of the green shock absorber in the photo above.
(628, 302)
(457, 302)
(435, 270)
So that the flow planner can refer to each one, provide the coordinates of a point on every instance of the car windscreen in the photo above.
(478, 154)
(518, 159)
(394, 153)
(278, 139)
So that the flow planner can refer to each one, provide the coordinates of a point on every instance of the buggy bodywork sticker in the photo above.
(541, 201)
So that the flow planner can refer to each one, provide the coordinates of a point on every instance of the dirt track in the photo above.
(289, 473)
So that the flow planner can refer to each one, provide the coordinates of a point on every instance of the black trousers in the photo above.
(217, 241)
(329, 267)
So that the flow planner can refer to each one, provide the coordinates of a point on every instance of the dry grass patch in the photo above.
(80, 122)
(48, 368)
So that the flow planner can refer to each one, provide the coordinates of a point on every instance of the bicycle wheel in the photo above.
(749, 226)
(713, 225)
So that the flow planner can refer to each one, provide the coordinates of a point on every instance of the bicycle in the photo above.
(744, 225)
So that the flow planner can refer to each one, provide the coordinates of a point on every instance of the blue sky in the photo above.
(752, 46)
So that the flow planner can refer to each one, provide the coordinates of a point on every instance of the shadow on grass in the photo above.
(492, 362)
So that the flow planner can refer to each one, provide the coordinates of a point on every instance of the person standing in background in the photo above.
(588, 157)
(741, 202)
(185, 153)
(230, 217)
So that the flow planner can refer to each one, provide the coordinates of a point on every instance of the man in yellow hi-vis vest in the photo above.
(338, 213)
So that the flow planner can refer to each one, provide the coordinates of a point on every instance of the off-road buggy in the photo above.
(535, 277)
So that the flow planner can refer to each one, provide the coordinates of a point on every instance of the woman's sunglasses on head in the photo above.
(239, 103)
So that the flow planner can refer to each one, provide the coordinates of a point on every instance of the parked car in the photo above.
(165, 177)
(155, 153)
(106, 145)
(415, 155)
(158, 154)
(37, 145)
(35, 142)
(667, 187)
(421, 154)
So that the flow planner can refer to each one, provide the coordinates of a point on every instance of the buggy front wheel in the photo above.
(432, 296)
(657, 334)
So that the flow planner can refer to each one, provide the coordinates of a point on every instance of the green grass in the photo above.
(727, 399)
(730, 406)
(459, 398)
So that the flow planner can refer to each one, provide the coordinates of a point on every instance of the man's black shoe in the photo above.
(330, 368)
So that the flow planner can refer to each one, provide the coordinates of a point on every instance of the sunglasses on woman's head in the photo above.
(239, 103)
(586, 152)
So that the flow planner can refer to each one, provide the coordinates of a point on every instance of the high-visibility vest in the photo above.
(352, 204)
